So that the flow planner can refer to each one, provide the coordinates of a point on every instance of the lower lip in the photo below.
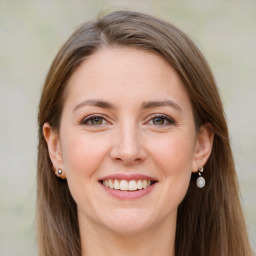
(120, 194)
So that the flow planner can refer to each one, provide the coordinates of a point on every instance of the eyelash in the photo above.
(167, 120)
(86, 120)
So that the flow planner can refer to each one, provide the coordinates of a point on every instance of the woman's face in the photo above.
(127, 142)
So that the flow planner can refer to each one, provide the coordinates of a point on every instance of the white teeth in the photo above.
(139, 184)
(110, 183)
(132, 185)
(116, 184)
(144, 183)
(125, 185)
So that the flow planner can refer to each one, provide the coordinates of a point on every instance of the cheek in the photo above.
(174, 158)
(82, 154)
(174, 155)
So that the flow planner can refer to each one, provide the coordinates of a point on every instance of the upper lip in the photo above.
(120, 176)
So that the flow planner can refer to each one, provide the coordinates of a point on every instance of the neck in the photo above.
(103, 242)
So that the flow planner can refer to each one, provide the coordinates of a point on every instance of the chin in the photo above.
(129, 221)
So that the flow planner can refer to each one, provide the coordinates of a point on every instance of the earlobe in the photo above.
(203, 148)
(54, 147)
(59, 173)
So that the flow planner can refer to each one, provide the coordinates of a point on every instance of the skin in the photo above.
(128, 139)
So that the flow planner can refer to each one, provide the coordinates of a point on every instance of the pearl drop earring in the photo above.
(200, 182)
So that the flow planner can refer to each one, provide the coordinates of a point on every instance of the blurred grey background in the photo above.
(31, 33)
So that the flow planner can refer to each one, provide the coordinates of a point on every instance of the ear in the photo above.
(203, 146)
(54, 149)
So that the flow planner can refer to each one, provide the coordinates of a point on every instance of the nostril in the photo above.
(128, 161)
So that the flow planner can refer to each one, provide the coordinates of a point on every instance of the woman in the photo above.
(134, 155)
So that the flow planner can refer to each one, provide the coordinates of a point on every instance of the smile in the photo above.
(127, 185)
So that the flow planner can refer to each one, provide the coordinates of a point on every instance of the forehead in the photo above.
(125, 73)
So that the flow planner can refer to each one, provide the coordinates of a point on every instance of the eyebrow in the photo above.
(144, 105)
(96, 103)
(153, 104)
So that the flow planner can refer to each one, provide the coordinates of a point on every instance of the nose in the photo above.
(128, 146)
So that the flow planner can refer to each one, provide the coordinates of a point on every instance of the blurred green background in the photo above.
(31, 33)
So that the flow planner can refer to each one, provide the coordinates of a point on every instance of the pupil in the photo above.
(158, 121)
(97, 120)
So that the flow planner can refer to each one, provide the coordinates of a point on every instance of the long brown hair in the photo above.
(210, 221)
